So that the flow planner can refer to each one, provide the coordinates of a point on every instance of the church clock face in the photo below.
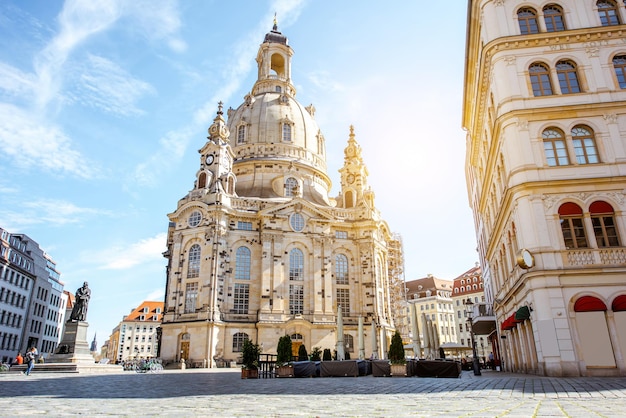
(350, 178)
(209, 159)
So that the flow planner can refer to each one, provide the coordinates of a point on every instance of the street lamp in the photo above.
(469, 310)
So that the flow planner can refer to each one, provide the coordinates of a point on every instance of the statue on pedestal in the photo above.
(79, 311)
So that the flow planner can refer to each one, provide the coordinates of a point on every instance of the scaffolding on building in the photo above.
(397, 288)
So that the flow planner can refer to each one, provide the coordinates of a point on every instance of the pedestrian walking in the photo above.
(29, 358)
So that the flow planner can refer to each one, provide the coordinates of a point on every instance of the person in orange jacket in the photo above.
(19, 359)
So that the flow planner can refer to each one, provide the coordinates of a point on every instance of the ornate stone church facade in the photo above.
(258, 249)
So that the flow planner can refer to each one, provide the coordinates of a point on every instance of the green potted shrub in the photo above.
(396, 356)
(250, 360)
(302, 354)
(283, 357)
(316, 354)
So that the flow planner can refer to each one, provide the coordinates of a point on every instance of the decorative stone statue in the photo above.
(79, 311)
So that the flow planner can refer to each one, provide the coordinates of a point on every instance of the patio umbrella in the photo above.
(340, 350)
(374, 341)
(436, 340)
(431, 339)
(426, 339)
(361, 339)
(417, 345)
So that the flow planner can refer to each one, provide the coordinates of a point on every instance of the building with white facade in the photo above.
(136, 336)
(545, 115)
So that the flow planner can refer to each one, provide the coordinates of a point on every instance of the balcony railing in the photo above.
(595, 256)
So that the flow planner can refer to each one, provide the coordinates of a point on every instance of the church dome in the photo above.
(275, 139)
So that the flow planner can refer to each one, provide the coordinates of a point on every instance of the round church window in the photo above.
(194, 218)
(296, 221)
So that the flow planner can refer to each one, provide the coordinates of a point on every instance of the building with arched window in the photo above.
(258, 249)
(546, 174)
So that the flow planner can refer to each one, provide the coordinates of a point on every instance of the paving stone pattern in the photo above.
(222, 393)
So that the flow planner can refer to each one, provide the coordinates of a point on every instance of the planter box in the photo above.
(249, 373)
(284, 371)
(398, 370)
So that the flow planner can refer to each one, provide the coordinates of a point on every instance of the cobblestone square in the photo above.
(222, 393)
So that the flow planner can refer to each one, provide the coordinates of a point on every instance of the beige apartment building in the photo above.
(545, 114)
(258, 249)
(137, 335)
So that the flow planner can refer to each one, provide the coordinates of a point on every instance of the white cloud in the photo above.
(51, 212)
(16, 82)
(105, 85)
(126, 256)
(156, 295)
(157, 21)
(26, 142)
(78, 20)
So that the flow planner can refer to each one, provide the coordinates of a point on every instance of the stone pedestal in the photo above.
(73, 347)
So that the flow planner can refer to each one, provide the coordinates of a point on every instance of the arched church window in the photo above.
(341, 269)
(238, 339)
(296, 264)
(286, 132)
(242, 264)
(193, 263)
(291, 187)
(202, 180)
(241, 134)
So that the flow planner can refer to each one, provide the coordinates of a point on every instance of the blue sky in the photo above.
(104, 104)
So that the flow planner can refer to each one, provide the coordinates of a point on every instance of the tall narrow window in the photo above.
(553, 16)
(286, 132)
(343, 300)
(619, 63)
(540, 80)
(242, 264)
(554, 147)
(348, 343)
(241, 298)
(572, 227)
(603, 221)
(607, 10)
(291, 187)
(584, 145)
(238, 339)
(527, 18)
(241, 134)
(296, 299)
(296, 265)
(568, 79)
(191, 296)
(341, 269)
(193, 265)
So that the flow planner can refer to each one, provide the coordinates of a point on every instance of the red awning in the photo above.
(589, 304)
(619, 303)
